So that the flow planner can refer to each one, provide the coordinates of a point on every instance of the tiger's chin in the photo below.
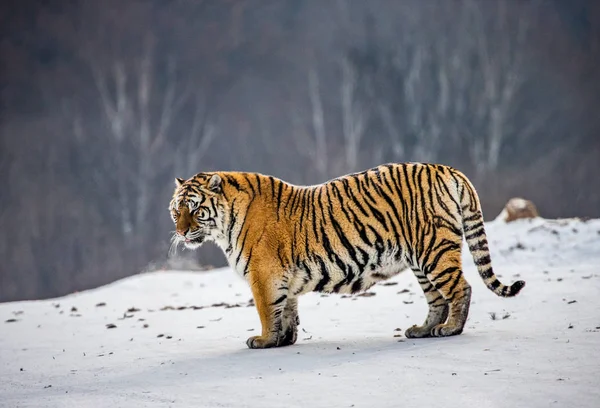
(194, 243)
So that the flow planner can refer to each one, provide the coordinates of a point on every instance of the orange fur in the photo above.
(342, 236)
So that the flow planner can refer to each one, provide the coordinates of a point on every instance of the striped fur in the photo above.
(342, 236)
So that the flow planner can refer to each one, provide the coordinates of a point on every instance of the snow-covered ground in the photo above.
(179, 339)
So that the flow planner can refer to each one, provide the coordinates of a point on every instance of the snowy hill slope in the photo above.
(178, 339)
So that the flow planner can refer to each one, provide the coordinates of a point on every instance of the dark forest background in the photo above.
(103, 103)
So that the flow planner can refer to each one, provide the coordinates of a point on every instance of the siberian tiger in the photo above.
(342, 236)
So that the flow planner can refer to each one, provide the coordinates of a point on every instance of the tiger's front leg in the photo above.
(271, 299)
(289, 334)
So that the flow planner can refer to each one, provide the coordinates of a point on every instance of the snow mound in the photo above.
(177, 338)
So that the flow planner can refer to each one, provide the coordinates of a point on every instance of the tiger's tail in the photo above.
(474, 231)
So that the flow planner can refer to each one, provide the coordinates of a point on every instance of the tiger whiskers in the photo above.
(175, 241)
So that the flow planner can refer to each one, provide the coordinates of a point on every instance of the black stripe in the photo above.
(484, 260)
(290, 196)
(391, 204)
(396, 236)
(306, 269)
(337, 192)
(446, 244)
(293, 244)
(446, 271)
(476, 234)
(366, 188)
(272, 180)
(432, 264)
(334, 257)
(249, 183)
(340, 232)
(338, 286)
(324, 275)
(323, 218)
(409, 205)
(294, 198)
(358, 227)
(436, 298)
(232, 221)
(440, 285)
(446, 194)
(231, 180)
(469, 228)
(303, 206)
(421, 183)
(379, 217)
(431, 250)
(345, 242)
(329, 202)
(405, 226)
(237, 260)
(461, 293)
(454, 284)
(258, 183)
(430, 184)
(300, 289)
(476, 216)
(481, 245)
(242, 226)
(441, 222)
(379, 245)
(248, 262)
(357, 286)
(279, 300)
(362, 232)
(279, 191)
(314, 214)
(350, 193)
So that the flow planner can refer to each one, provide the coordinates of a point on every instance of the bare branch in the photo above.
(318, 121)
(353, 116)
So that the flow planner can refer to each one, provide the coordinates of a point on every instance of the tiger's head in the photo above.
(197, 209)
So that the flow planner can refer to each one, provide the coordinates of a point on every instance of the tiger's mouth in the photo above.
(193, 243)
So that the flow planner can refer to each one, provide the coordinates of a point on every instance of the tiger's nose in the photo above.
(183, 231)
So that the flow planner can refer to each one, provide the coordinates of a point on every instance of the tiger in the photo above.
(341, 236)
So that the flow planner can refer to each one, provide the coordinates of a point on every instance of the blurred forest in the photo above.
(103, 103)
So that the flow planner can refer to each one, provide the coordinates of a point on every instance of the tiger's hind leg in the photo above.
(447, 277)
(438, 308)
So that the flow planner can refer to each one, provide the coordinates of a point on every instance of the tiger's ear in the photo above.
(179, 181)
(215, 184)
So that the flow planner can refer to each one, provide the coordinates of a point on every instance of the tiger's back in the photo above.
(349, 233)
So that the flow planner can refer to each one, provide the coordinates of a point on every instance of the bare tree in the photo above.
(354, 115)
(501, 54)
(318, 122)
(455, 86)
(195, 144)
(307, 125)
(127, 112)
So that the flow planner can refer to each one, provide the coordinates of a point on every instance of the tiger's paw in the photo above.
(287, 339)
(260, 342)
(290, 336)
(417, 332)
(444, 330)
